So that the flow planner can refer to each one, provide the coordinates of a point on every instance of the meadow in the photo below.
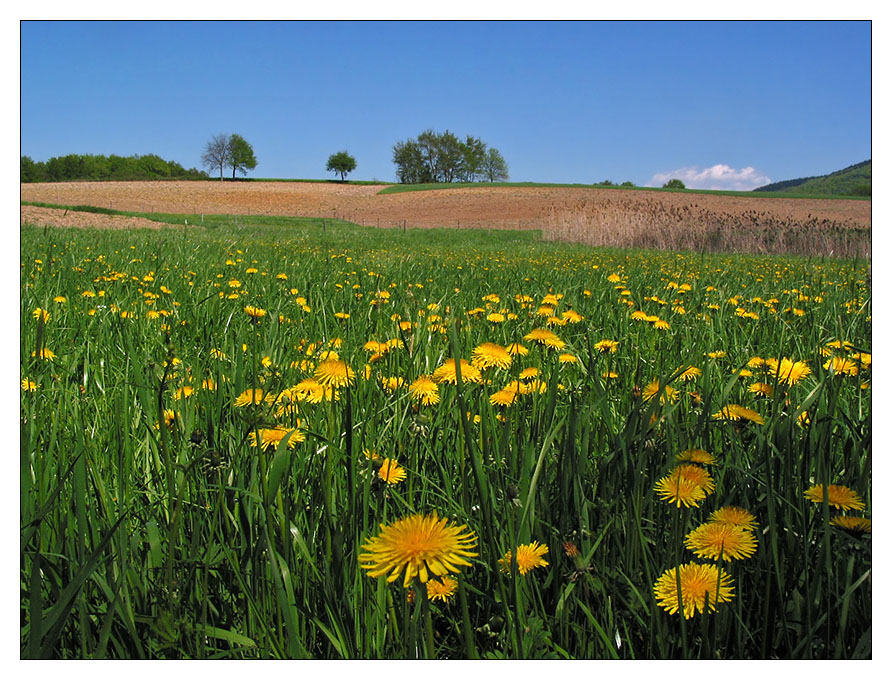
(288, 438)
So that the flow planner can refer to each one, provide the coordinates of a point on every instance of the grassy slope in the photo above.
(839, 183)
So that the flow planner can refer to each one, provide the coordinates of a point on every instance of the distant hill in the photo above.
(854, 180)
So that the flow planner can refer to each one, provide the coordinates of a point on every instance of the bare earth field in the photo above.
(497, 207)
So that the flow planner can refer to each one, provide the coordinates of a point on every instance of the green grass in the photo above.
(143, 540)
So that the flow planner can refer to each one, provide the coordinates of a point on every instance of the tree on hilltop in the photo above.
(674, 183)
(216, 154)
(495, 169)
(241, 155)
(341, 162)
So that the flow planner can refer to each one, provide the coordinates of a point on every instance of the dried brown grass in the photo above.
(631, 223)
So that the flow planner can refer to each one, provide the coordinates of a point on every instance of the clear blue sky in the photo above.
(563, 101)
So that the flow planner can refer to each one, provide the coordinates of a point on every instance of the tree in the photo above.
(341, 162)
(674, 184)
(495, 169)
(216, 154)
(443, 157)
(241, 155)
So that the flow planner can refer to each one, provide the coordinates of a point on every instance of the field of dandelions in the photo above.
(324, 441)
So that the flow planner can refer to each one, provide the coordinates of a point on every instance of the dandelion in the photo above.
(490, 354)
(857, 525)
(841, 366)
(425, 390)
(441, 590)
(418, 546)
(41, 315)
(516, 349)
(446, 372)
(571, 550)
(787, 370)
(761, 389)
(314, 392)
(738, 412)
(45, 354)
(505, 396)
(270, 437)
(717, 354)
(841, 497)
(686, 485)
(29, 385)
(690, 373)
(607, 346)
(529, 557)
(255, 313)
(572, 316)
(696, 456)
(391, 472)
(184, 392)
(653, 388)
(713, 539)
(543, 336)
(249, 397)
(334, 373)
(699, 584)
(734, 516)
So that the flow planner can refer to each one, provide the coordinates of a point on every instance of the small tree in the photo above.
(674, 184)
(216, 154)
(495, 169)
(341, 162)
(241, 155)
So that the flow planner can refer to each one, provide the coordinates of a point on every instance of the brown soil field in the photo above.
(496, 207)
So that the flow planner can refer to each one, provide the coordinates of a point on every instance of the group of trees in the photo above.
(87, 167)
(443, 157)
(228, 151)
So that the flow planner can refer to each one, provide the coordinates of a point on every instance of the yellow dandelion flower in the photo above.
(690, 373)
(29, 385)
(425, 390)
(61, 299)
(184, 392)
(684, 486)
(270, 437)
(441, 590)
(859, 525)
(700, 583)
(516, 349)
(446, 372)
(737, 412)
(840, 497)
(841, 366)
(391, 472)
(490, 354)
(334, 373)
(249, 397)
(529, 373)
(45, 354)
(529, 557)
(567, 358)
(41, 315)
(543, 336)
(504, 397)
(762, 389)
(607, 346)
(734, 516)
(667, 393)
(717, 355)
(787, 370)
(256, 313)
(572, 316)
(730, 541)
(696, 456)
(418, 546)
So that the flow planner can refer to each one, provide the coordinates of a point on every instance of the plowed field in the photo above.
(496, 207)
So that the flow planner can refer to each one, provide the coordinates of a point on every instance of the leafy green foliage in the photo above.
(854, 180)
(241, 155)
(87, 167)
(341, 163)
(151, 528)
(674, 183)
(443, 158)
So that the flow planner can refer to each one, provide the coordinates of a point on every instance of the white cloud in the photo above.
(719, 176)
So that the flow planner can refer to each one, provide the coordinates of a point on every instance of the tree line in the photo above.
(443, 157)
(98, 167)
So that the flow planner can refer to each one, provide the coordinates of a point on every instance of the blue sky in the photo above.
(719, 104)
